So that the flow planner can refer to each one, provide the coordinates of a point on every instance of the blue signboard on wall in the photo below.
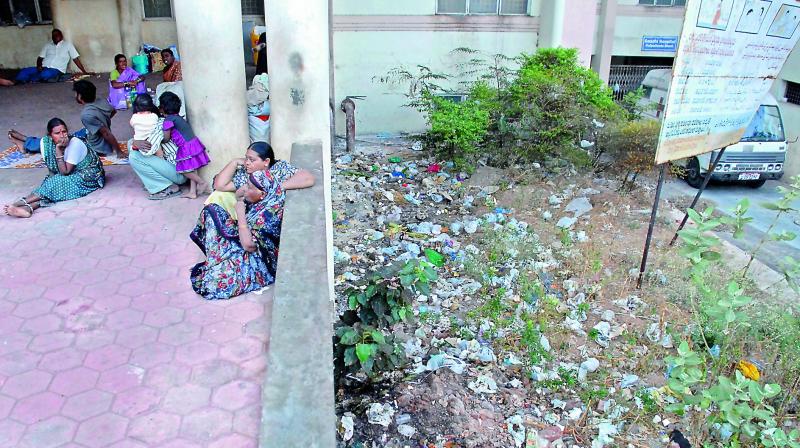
(660, 43)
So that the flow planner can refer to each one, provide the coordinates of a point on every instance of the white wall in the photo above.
(362, 57)
(21, 46)
(790, 112)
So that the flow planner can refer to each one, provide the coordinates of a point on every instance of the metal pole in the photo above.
(699, 192)
(653, 214)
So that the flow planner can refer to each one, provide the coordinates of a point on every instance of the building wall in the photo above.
(161, 32)
(93, 27)
(361, 58)
(790, 112)
(635, 21)
(21, 46)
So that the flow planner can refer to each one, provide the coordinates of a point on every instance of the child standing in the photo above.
(144, 118)
(191, 153)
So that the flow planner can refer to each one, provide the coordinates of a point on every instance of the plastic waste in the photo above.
(483, 385)
(516, 429)
(346, 426)
(380, 414)
(395, 159)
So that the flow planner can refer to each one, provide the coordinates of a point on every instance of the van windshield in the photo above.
(765, 127)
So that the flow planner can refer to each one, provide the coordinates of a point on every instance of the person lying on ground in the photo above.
(122, 80)
(96, 118)
(52, 62)
(74, 170)
(6, 82)
(259, 157)
(242, 250)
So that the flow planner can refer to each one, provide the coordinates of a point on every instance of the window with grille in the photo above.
(663, 2)
(157, 9)
(37, 11)
(792, 92)
(252, 7)
(503, 7)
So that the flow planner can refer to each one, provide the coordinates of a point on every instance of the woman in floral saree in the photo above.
(74, 171)
(242, 252)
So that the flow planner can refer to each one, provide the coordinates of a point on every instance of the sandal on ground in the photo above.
(164, 194)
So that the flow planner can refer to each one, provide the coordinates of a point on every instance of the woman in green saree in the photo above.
(74, 171)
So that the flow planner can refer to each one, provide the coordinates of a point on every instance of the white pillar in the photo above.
(551, 31)
(605, 46)
(130, 26)
(210, 47)
(300, 83)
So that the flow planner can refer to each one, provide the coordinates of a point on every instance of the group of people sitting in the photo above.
(239, 227)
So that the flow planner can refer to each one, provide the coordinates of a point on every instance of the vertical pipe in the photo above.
(653, 215)
(349, 109)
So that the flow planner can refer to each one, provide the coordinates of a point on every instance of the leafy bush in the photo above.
(368, 349)
(456, 129)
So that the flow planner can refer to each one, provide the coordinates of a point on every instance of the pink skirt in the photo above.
(191, 156)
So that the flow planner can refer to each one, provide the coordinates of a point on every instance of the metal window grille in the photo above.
(38, 11)
(792, 92)
(625, 78)
(491, 7)
(155, 9)
(252, 7)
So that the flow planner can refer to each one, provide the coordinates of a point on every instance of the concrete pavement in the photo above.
(103, 343)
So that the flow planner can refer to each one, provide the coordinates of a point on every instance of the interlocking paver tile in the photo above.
(10, 432)
(6, 404)
(37, 407)
(242, 349)
(26, 384)
(102, 430)
(42, 324)
(163, 317)
(51, 341)
(222, 332)
(10, 324)
(156, 427)
(136, 401)
(186, 398)
(179, 334)
(214, 373)
(95, 338)
(151, 355)
(63, 359)
(206, 424)
(247, 420)
(32, 308)
(236, 395)
(137, 336)
(77, 380)
(107, 357)
(16, 363)
(124, 318)
(120, 378)
(15, 342)
(87, 405)
(50, 433)
(165, 376)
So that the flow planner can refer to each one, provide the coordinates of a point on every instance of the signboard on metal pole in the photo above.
(730, 52)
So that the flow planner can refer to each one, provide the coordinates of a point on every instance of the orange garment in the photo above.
(173, 72)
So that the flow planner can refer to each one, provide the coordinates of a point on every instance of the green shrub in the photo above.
(456, 129)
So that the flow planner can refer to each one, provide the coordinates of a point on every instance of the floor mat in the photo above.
(14, 158)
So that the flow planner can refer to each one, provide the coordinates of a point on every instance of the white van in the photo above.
(759, 156)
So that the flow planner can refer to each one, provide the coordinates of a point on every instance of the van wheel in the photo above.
(693, 175)
(755, 183)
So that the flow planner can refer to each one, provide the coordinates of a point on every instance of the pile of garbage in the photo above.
(465, 384)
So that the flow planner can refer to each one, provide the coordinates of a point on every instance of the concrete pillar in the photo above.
(298, 406)
(551, 30)
(130, 26)
(210, 45)
(604, 48)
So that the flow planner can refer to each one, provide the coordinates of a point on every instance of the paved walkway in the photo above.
(103, 343)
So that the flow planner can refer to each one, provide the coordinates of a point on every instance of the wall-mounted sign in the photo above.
(660, 43)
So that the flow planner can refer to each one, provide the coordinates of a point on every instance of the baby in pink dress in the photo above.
(191, 154)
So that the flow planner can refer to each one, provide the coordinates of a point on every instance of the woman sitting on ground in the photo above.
(75, 171)
(122, 81)
(241, 250)
(240, 233)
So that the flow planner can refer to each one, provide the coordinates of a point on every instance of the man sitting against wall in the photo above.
(52, 62)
